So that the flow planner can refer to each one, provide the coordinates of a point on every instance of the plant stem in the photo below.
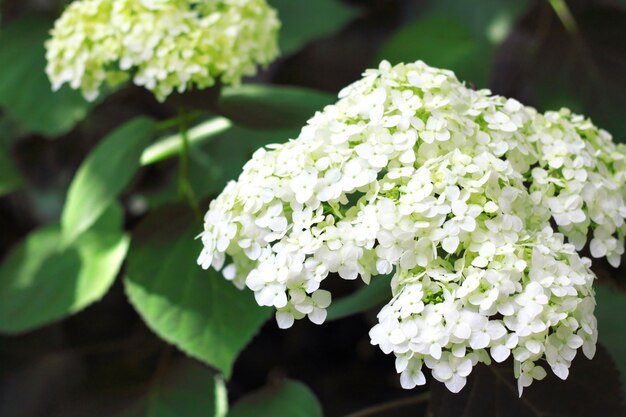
(564, 14)
(184, 185)
(391, 405)
(175, 121)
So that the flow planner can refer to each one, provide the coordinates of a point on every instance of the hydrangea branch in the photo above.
(565, 15)
(391, 405)
(184, 184)
(174, 122)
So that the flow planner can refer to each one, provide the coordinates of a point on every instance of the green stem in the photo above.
(175, 121)
(564, 14)
(391, 405)
(184, 185)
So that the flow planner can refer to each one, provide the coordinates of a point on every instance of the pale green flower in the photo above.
(454, 192)
(164, 45)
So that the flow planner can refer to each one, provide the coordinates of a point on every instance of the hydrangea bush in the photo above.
(166, 45)
(475, 203)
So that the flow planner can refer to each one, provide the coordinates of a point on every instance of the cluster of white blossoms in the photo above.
(454, 192)
(165, 45)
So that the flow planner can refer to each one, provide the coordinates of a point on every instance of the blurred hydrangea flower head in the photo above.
(451, 190)
(165, 45)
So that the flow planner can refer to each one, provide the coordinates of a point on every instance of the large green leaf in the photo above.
(271, 106)
(376, 293)
(198, 311)
(42, 280)
(285, 398)
(610, 308)
(189, 390)
(10, 179)
(106, 171)
(25, 91)
(169, 146)
(440, 41)
(487, 19)
(304, 21)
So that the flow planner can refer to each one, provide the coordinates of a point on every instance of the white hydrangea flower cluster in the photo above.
(166, 45)
(454, 192)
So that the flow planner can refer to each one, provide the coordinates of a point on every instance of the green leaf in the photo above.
(440, 41)
(169, 146)
(304, 21)
(10, 179)
(376, 293)
(610, 308)
(106, 171)
(41, 281)
(491, 20)
(25, 92)
(188, 390)
(285, 398)
(271, 106)
(198, 311)
(591, 389)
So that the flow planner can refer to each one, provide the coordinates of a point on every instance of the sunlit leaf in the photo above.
(304, 21)
(103, 175)
(198, 311)
(169, 146)
(285, 398)
(41, 280)
(271, 106)
(25, 92)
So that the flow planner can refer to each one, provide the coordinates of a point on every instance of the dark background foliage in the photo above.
(104, 360)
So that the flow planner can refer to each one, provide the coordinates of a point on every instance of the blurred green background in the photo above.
(104, 361)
